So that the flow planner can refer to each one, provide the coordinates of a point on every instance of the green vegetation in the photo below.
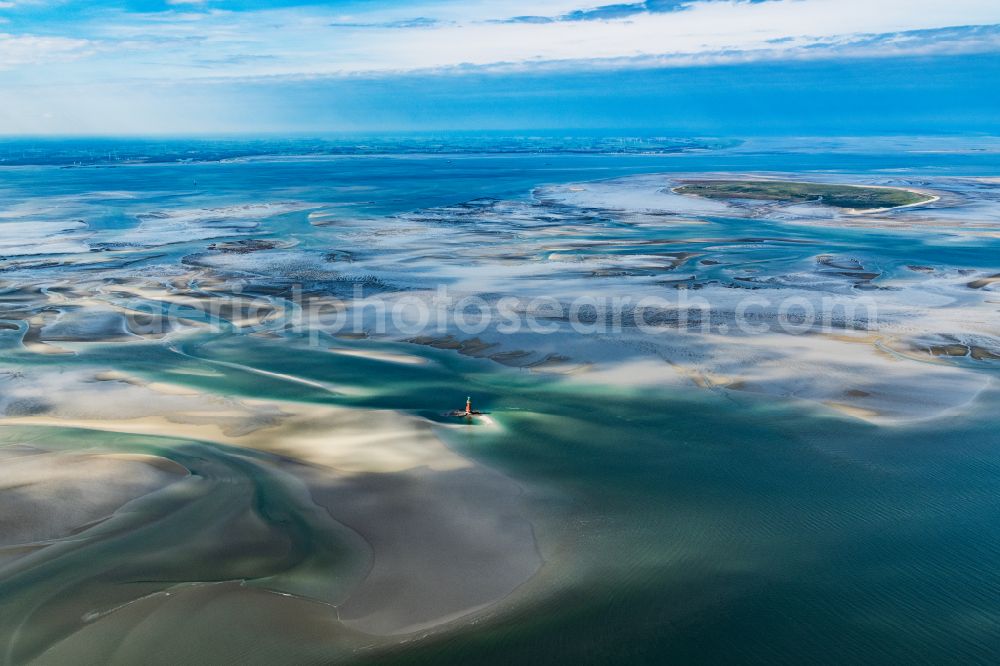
(842, 196)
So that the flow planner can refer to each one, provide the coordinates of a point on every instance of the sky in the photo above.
(691, 67)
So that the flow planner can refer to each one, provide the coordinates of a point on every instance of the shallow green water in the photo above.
(234, 518)
(676, 526)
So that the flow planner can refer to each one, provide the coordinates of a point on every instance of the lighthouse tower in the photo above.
(468, 406)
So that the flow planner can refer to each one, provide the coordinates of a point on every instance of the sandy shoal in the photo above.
(448, 536)
(48, 495)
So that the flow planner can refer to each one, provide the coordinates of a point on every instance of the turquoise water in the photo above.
(691, 527)
(677, 525)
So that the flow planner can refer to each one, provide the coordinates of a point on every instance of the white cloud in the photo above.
(21, 50)
(441, 34)
(10, 4)
(705, 28)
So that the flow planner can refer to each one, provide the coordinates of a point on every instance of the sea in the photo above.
(683, 521)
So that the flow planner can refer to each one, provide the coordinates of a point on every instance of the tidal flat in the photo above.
(714, 429)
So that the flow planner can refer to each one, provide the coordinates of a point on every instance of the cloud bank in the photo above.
(48, 48)
(181, 39)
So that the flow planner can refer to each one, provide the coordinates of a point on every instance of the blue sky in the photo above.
(715, 67)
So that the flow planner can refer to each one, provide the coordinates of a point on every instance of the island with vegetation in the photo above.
(841, 196)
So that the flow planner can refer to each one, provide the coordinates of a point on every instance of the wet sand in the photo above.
(447, 536)
(51, 495)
